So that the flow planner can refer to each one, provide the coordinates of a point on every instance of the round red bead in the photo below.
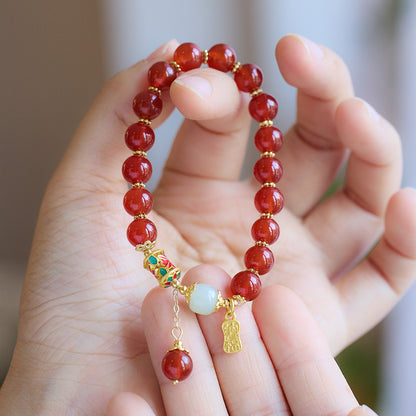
(147, 105)
(221, 57)
(269, 200)
(188, 56)
(138, 201)
(268, 169)
(177, 365)
(139, 137)
(268, 139)
(263, 107)
(246, 284)
(161, 75)
(259, 258)
(266, 230)
(137, 169)
(141, 230)
(248, 78)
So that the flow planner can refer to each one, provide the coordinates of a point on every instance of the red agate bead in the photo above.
(259, 258)
(268, 169)
(137, 169)
(161, 75)
(266, 230)
(248, 78)
(139, 137)
(246, 284)
(138, 201)
(147, 105)
(177, 365)
(221, 57)
(263, 107)
(188, 56)
(268, 139)
(141, 230)
(268, 200)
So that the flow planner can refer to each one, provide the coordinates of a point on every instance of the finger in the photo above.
(377, 283)
(248, 380)
(362, 411)
(200, 390)
(347, 224)
(211, 143)
(311, 380)
(312, 148)
(128, 404)
(97, 151)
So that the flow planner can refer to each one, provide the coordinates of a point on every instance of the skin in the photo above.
(92, 326)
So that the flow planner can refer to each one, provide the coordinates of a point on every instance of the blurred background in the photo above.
(57, 55)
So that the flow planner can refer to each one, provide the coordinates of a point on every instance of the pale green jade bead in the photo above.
(203, 299)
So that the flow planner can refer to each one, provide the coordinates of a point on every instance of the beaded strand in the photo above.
(138, 202)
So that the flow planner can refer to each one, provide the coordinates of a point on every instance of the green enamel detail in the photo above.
(162, 271)
(153, 260)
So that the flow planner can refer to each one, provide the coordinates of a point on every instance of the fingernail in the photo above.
(196, 84)
(370, 111)
(368, 411)
(160, 51)
(313, 49)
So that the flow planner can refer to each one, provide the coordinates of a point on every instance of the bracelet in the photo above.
(246, 285)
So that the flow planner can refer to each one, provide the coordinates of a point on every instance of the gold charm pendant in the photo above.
(231, 330)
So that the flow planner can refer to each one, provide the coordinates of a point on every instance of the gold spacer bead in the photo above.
(268, 154)
(266, 123)
(138, 185)
(261, 244)
(140, 153)
(144, 121)
(175, 66)
(256, 93)
(235, 67)
(155, 90)
(220, 301)
(205, 56)
(140, 217)
(146, 247)
(253, 271)
(266, 215)
(269, 185)
(188, 292)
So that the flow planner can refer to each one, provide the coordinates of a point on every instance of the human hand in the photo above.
(293, 373)
(81, 335)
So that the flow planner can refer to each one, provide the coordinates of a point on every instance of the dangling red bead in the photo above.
(259, 258)
(138, 201)
(269, 200)
(177, 365)
(139, 137)
(137, 169)
(221, 57)
(141, 230)
(268, 139)
(268, 169)
(266, 230)
(248, 78)
(188, 56)
(246, 284)
(161, 75)
(263, 107)
(147, 105)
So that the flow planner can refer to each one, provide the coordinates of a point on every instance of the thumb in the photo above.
(96, 153)
(128, 404)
